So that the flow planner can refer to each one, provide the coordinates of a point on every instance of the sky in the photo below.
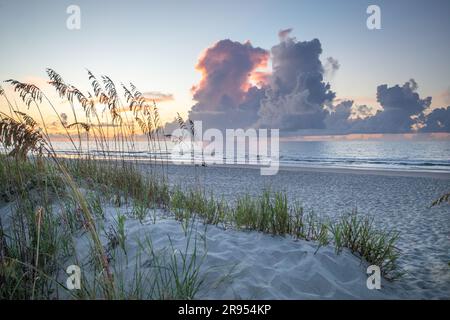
(158, 45)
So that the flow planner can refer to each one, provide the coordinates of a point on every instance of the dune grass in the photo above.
(54, 201)
(28, 156)
(360, 236)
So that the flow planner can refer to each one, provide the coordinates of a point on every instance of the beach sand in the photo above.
(396, 200)
(236, 264)
(251, 265)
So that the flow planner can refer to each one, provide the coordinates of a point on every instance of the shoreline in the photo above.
(370, 171)
(339, 170)
(443, 175)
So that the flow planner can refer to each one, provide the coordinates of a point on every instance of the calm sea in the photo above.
(399, 155)
(395, 155)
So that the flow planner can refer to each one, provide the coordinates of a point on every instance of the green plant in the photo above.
(140, 210)
(442, 199)
(360, 236)
(175, 273)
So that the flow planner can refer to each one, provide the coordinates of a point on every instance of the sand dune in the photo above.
(252, 265)
(400, 202)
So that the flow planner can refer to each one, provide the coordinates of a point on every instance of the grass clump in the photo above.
(176, 272)
(271, 213)
(32, 170)
(29, 252)
(360, 236)
(267, 213)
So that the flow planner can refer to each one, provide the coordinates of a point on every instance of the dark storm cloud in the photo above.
(437, 121)
(297, 94)
(361, 111)
(402, 112)
(401, 105)
(338, 118)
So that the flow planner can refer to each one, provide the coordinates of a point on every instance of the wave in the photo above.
(429, 157)
(352, 161)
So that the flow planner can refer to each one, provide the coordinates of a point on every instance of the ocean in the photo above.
(397, 155)
(409, 155)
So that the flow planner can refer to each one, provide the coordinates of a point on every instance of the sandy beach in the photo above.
(253, 265)
(234, 264)
(244, 264)
(396, 200)
(335, 169)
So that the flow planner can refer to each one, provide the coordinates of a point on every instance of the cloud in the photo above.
(401, 107)
(361, 112)
(297, 94)
(331, 66)
(402, 112)
(339, 116)
(158, 96)
(290, 98)
(64, 119)
(149, 97)
(283, 34)
(237, 91)
(437, 121)
(227, 96)
(345, 116)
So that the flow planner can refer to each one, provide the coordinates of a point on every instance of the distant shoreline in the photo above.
(340, 170)
(354, 170)
(320, 169)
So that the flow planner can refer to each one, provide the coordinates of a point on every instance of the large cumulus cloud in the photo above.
(338, 117)
(437, 121)
(233, 92)
(296, 94)
(401, 107)
(403, 111)
(237, 91)
(226, 95)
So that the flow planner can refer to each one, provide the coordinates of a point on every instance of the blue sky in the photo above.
(156, 44)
